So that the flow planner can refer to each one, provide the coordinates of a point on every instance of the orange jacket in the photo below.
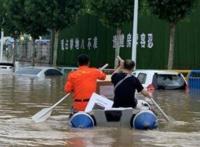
(82, 83)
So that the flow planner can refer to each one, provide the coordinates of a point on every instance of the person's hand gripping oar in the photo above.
(45, 113)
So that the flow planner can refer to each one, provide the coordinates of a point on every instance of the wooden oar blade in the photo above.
(42, 115)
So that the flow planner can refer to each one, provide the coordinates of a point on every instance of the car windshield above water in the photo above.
(165, 81)
(40, 72)
(28, 71)
(161, 79)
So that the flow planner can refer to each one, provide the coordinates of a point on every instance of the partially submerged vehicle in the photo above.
(38, 71)
(6, 67)
(161, 79)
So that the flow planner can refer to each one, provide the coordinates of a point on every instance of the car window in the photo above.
(29, 71)
(52, 72)
(168, 81)
(3, 67)
(142, 77)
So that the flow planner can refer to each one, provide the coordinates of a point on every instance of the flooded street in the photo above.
(22, 97)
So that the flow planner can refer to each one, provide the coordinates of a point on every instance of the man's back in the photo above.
(82, 82)
(126, 84)
(125, 91)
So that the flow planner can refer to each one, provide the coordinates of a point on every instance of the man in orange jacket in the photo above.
(82, 83)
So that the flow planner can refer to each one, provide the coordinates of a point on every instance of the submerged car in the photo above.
(40, 72)
(161, 79)
(6, 67)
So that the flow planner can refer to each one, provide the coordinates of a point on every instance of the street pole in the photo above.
(1, 51)
(134, 35)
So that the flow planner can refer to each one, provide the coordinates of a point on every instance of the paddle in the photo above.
(163, 113)
(103, 67)
(45, 113)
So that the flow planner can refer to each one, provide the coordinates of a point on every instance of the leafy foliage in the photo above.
(5, 22)
(35, 17)
(60, 14)
(171, 10)
(26, 16)
(112, 12)
(2, 13)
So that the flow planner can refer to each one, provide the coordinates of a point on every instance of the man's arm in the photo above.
(68, 85)
(120, 66)
(101, 75)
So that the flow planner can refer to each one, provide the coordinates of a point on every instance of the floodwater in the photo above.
(22, 97)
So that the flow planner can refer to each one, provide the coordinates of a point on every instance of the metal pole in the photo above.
(1, 51)
(134, 35)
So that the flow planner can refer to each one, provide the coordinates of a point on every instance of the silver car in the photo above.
(40, 72)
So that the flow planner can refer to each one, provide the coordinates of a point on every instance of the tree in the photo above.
(172, 11)
(2, 13)
(113, 14)
(35, 17)
(60, 14)
(7, 25)
(27, 16)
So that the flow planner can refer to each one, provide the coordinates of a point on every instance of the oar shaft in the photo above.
(164, 114)
(103, 67)
(60, 101)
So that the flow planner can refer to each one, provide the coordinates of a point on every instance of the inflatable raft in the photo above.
(142, 118)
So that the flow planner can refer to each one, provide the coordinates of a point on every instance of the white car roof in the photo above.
(156, 71)
(39, 67)
(38, 70)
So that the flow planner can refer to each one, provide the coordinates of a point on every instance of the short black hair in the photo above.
(83, 59)
(129, 64)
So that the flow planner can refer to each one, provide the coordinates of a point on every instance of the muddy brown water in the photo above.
(22, 97)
